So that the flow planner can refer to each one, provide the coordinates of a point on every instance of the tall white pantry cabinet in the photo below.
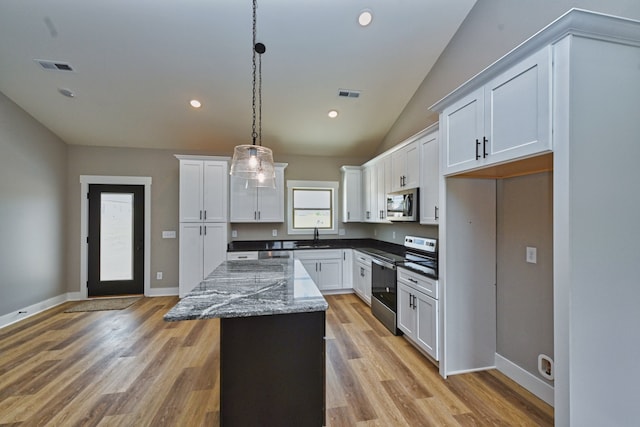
(583, 119)
(203, 217)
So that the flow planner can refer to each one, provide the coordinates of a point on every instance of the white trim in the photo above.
(85, 180)
(467, 371)
(32, 310)
(39, 307)
(163, 292)
(527, 380)
(333, 185)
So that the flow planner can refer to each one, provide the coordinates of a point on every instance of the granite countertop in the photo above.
(270, 245)
(251, 288)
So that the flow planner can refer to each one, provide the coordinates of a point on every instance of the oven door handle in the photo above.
(383, 263)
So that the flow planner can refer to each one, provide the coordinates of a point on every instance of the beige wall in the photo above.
(163, 168)
(524, 296)
(32, 211)
(305, 168)
(492, 29)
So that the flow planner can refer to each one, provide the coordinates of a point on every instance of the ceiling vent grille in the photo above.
(348, 93)
(54, 65)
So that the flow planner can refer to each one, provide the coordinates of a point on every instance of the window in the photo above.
(312, 204)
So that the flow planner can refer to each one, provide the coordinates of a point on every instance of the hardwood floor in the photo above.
(130, 368)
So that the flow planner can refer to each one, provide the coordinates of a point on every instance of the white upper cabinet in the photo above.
(405, 168)
(506, 119)
(351, 193)
(429, 178)
(257, 204)
(203, 190)
(375, 178)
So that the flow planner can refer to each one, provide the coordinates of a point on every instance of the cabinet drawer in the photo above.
(235, 256)
(361, 258)
(419, 282)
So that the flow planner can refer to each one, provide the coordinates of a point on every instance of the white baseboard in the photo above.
(527, 380)
(467, 371)
(31, 310)
(39, 307)
(162, 292)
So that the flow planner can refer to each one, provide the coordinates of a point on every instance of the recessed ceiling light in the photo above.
(365, 17)
(333, 114)
(195, 103)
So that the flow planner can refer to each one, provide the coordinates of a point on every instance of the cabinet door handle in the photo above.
(258, 215)
(412, 280)
(243, 257)
(410, 301)
(205, 214)
(320, 264)
(484, 147)
(414, 302)
(436, 211)
(201, 230)
(477, 146)
(205, 230)
(200, 215)
(348, 216)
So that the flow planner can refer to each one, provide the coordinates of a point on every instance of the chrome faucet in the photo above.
(316, 234)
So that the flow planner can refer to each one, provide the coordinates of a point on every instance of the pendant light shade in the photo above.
(252, 162)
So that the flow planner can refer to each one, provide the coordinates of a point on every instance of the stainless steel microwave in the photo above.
(403, 205)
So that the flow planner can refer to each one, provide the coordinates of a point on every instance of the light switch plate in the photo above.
(532, 255)
(169, 234)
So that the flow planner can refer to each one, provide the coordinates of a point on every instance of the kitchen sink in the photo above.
(313, 246)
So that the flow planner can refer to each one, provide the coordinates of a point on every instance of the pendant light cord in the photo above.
(254, 134)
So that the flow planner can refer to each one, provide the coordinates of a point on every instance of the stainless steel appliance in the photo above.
(403, 205)
(421, 254)
(274, 254)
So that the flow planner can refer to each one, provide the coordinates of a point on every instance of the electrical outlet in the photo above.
(393, 234)
(274, 232)
(234, 233)
(532, 255)
(159, 275)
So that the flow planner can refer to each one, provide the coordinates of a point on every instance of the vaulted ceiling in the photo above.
(135, 65)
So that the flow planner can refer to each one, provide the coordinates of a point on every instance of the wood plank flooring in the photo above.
(130, 368)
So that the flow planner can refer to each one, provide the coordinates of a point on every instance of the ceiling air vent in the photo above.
(54, 65)
(348, 93)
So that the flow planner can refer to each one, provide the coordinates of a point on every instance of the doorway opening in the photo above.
(115, 236)
(116, 240)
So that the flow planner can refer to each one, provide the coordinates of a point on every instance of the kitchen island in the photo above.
(272, 351)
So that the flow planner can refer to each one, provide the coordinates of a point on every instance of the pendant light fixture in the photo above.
(254, 162)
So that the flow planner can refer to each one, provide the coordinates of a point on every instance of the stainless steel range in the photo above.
(421, 254)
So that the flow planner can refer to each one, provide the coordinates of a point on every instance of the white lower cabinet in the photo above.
(200, 252)
(362, 276)
(347, 268)
(418, 312)
(324, 266)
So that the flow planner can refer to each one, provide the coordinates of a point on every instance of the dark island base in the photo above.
(272, 370)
